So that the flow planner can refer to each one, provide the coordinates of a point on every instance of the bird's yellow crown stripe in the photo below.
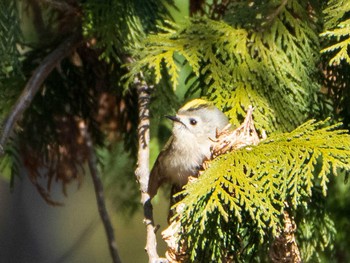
(196, 104)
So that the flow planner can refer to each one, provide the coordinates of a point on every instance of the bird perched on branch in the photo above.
(194, 127)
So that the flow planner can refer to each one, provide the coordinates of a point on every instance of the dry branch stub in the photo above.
(284, 248)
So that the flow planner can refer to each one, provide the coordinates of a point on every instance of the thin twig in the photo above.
(34, 84)
(92, 162)
(142, 170)
(275, 13)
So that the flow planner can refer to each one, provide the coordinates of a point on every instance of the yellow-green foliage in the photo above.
(265, 54)
(272, 68)
(249, 187)
(342, 35)
(337, 28)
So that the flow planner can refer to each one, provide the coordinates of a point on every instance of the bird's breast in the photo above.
(184, 162)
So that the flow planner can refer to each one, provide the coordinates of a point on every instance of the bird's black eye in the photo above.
(193, 122)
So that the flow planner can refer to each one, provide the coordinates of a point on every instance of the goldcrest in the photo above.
(194, 127)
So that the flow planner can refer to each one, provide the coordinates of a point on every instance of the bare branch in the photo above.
(92, 162)
(34, 84)
(142, 170)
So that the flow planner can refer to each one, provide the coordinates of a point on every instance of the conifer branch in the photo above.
(34, 84)
(98, 186)
(142, 171)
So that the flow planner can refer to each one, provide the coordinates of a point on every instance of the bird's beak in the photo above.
(173, 118)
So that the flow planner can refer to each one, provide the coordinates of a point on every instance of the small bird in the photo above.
(194, 127)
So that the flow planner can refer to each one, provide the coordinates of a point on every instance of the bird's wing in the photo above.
(157, 177)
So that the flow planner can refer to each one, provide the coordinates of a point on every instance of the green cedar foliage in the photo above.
(265, 54)
(335, 51)
(11, 78)
(271, 67)
(337, 27)
(11, 35)
(316, 230)
(246, 190)
(261, 53)
(118, 25)
(10, 62)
